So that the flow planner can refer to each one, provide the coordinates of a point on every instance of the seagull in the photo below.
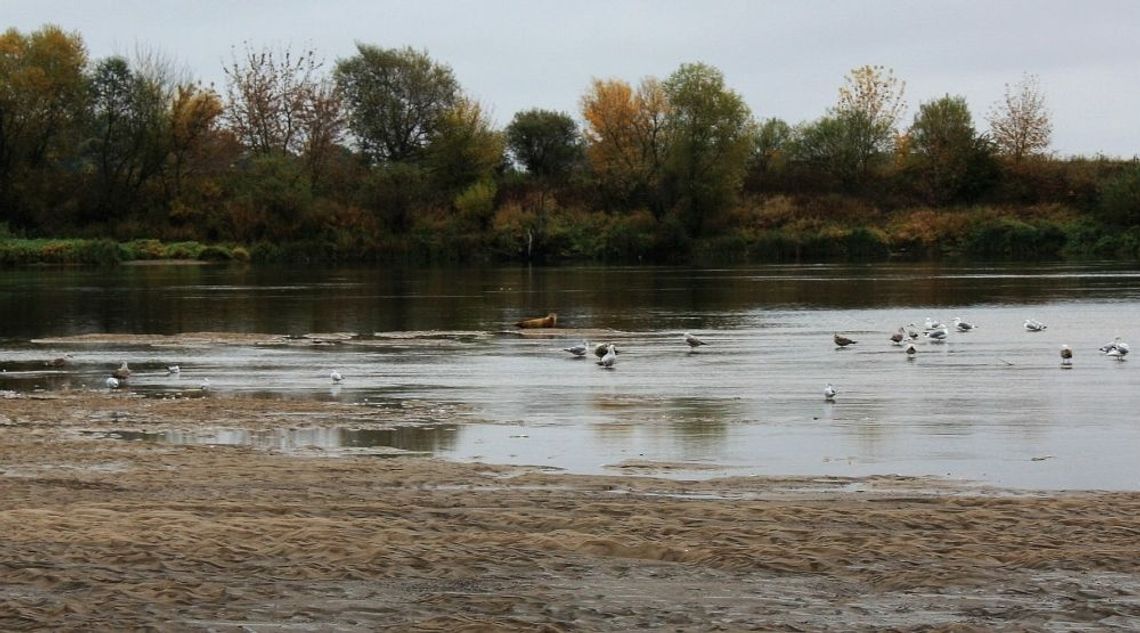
(693, 341)
(843, 341)
(578, 350)
(205, 384)
(938, 335)
(335, 375)
(912, 333)
(1033, 325)
(897, 337)
(123, 372)
(60, 361)
(963, 326)
(829, 393)
(931, 324)
(601, 348)
(112, 382)
(609, 358)
(174, 369)
(911, 351)
(1118, 345)
(1066, 356)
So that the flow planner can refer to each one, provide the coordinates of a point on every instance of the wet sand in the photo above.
(104, 534)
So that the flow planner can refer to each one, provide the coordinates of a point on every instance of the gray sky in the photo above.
(786, 58)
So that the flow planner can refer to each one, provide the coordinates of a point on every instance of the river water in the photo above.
(993, 405)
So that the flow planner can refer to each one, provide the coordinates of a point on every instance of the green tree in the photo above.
(546, 143)
(129, 117)
(712, 135)
(859, 132)
(1120, 199)
(831, 146)
(465, 149)
(772, 141)
(947, 156)
(396, 100)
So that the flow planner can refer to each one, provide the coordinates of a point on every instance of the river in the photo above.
(992, 406)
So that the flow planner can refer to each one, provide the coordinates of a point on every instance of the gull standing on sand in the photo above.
(174, 369)
(60, 361)
(112, 382)
(122, 373)
(693, 341)
(1066, 356)
(911, 351)
(335, 375)
(578, 350)
(829, 393)
(912, 331)
(205, 385)
(842, 341)
(1033, 325)
(610, 357)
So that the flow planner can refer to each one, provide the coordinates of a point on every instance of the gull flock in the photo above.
(606, 353)
(934, 331)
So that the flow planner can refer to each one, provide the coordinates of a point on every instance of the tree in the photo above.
(875, 93)
(712, 135)
(544, 142)
(946, 153)
(868, 110)
(465, 149)
(129, 118)
(276, 102)
(626, 139)
(396, 99)
(1020, 124)
(772, 141)
(1120, 198)
(194, 114)
(830, 145)
(42, 93)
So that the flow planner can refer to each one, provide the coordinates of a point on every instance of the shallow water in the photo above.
(992, 405)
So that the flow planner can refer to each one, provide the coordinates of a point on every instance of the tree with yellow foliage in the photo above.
(626, 140)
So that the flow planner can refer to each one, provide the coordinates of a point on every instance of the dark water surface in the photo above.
(992, 405)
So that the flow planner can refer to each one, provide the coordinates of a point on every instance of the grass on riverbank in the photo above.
(773, 230)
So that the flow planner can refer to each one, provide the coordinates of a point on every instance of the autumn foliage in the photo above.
(382, 156)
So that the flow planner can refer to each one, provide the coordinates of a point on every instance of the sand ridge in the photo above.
(103, 534)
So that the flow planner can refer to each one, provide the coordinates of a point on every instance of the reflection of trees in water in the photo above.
(697, 426)
(420, 439)
(427, 439)
(864, 422)
(284, 299)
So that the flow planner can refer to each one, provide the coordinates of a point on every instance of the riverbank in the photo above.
(100, 533)
(774, 230)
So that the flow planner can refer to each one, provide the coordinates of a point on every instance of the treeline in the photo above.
(382, 156)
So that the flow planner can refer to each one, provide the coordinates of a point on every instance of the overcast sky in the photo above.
(786, 58)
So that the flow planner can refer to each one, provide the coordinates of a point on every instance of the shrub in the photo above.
(215, 254)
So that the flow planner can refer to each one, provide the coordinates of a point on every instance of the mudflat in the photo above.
(98, 533)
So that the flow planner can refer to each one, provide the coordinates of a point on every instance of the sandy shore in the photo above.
(105, 534)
